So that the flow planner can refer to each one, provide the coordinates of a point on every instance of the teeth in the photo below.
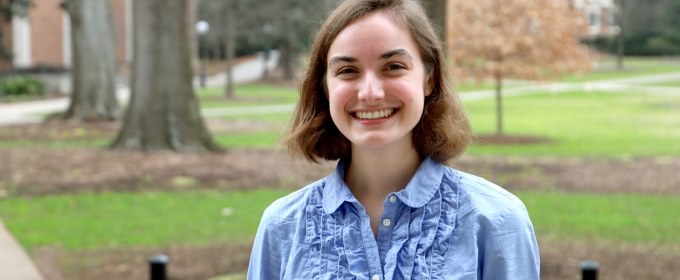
(374, 114)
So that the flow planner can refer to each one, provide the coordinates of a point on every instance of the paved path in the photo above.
(15, 264)
(32, 111)
(245, 72)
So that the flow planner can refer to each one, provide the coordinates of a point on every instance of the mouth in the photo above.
(372, 115)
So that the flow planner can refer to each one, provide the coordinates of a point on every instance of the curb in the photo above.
(15, 264)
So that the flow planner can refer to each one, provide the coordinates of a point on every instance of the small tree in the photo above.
(163, 113)
(622, 19)
(94, 67)
(523, 39)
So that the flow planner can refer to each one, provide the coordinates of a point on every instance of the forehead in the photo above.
(373, 32)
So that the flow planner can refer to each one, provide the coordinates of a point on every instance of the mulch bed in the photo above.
(46, 171)
(186, 262)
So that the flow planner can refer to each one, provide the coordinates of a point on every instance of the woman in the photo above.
(376, 96)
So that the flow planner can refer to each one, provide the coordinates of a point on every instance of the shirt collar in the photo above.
(335, 192)
(417, 193)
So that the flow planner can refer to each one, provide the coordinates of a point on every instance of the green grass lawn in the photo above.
(633, 218)
(114, 220)
(266, 139)
(580, 124)
(670, 84)
(605, 69)
(252, 91)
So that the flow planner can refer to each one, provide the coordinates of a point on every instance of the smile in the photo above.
(374, 114)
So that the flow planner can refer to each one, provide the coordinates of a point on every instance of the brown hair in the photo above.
(443, 131)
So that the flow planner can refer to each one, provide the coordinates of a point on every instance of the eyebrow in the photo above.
(337, 59)
(386, 55)
(395, 52)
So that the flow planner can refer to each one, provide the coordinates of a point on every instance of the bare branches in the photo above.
(519, 38)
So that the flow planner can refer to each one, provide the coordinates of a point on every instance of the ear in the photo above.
(429, 86)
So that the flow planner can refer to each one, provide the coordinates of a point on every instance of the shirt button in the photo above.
(386, 222)
(393, 199)
(375, 277)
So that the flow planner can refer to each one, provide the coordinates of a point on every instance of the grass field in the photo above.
(670, 84)
(113, 220)
(630, 218)
(633, 66)
(576, 123)
(580, 124)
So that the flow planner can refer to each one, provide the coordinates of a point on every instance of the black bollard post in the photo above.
(589, 270)
(158, 264)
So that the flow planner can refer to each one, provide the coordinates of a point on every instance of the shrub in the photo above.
(21, 86)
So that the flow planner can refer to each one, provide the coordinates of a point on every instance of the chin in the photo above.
(375, 142)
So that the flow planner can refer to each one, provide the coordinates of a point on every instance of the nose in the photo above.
(371, 89)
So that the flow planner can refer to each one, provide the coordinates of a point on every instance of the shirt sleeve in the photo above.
(266, 260)
(511, 250)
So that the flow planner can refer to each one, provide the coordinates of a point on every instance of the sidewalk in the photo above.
(15, 264)
(31, 111)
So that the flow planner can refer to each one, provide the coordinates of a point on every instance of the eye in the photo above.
(346, 70)
(395, 66)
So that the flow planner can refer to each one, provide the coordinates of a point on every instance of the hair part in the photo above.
(443, 131)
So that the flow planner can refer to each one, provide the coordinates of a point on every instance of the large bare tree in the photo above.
(163, 113)
(524, 39)
(94, 67)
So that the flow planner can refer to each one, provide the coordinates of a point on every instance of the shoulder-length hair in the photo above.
(443, 131)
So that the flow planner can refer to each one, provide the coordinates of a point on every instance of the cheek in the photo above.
(338, 98)
(407, 90)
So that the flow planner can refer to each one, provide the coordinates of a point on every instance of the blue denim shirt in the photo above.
(445, 224)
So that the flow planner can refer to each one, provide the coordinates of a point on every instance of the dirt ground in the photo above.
(46, 171)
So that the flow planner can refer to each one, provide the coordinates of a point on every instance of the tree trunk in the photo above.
(94, 68)
(436, 9)
(499, 104)
(621, 36)
(163, 113)
(289, 48)
(230, 39)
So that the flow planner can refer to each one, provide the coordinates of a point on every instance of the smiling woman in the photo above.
(371, 70)
(376, 96)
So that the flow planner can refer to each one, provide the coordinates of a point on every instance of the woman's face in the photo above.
(376, 83)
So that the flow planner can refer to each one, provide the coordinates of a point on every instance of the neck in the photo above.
(373, 174)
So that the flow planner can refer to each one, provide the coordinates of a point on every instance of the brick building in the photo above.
(600, 15)
(42, 38)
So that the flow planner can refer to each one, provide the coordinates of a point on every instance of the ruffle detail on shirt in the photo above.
(437, 231)
(447, 223)
(421, 240)
(336, 248)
